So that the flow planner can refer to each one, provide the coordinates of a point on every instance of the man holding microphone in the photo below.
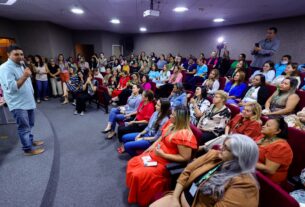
(18, 93)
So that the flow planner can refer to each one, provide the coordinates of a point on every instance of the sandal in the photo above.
(120, 150)
(111, 135)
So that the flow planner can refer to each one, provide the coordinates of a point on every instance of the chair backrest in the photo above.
(272, 195)
(271, 89)
(296, 140)
(100, 82)
(222, 83)
(234, 110)
(153, 86)
(301, 103)
(197, 132)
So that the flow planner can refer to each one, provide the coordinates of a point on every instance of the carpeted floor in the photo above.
(79, 168)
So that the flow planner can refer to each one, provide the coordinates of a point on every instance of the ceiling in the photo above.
(130, 12)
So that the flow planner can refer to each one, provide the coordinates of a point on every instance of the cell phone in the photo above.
(257, 44)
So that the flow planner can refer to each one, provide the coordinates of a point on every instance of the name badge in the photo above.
(193, 189)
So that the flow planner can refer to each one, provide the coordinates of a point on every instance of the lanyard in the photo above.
(208, 174)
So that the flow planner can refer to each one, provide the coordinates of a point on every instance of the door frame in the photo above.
(112, 49)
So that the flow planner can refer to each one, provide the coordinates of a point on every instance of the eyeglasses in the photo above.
(225, 148)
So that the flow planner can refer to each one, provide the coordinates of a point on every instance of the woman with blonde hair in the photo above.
(248, 123)
(146, 174)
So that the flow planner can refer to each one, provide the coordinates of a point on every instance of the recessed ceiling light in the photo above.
(218, 20)
(115, 21)
(143, 29)
(180, 9)
(8, 2)
(77, 10)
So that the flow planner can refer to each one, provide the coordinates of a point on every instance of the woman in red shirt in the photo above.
(122, 85)
(146, 174)
(143, 114)
(275, 154)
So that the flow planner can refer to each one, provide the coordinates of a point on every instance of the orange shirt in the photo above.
(279, 152)
(251, 128)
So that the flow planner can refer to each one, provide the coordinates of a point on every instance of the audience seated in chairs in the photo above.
(215, 119)
(178, 96)
(123, 97)
(146, 85)
(176, 77)
(88, 92)
(232, 71)
(124, 78)
(198, 105)
(247, 123)
(267, 70)
(275, 154)
(290, 71)
(199, 76)
(142, 140)
(212, 82)
(284, 100)
(124, 112)
(256, 92)
(142, 116)
(236, 88)
(219, 178)
(73, 85)
(174, 145)
(164, 77)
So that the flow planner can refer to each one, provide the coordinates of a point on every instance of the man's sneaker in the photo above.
(75, 112)
(34, 152)
(82, 113)
(74, 103)
(38, 101)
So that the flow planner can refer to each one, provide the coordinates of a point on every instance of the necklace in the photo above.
(268, 140)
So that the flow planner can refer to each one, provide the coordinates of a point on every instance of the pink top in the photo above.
(174, 80)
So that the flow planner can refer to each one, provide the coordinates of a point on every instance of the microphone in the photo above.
(22, 63)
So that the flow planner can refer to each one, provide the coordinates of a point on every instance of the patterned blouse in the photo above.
(215, 121)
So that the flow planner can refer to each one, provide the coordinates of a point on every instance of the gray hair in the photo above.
(245, 156)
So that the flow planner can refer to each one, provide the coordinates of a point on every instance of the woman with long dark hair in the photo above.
(41, 70)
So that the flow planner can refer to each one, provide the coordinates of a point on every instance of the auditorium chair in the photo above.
(271, 89)
(222, 83)
(234, 110)
(272, 195)
(102, 98)
(301, 103)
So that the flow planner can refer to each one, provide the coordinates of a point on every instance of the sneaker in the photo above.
(114, 104)
(34, 152)
(82, 113)
(45, 99)
(74, 103)
(75, 112)
(38, 101)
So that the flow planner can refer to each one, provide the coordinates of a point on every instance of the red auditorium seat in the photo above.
(296, 140)
(222, 83)
(271, 89)
(153, 86)
(272, 195)
(234, 110)
(197, 132)
(301, 103)
(100, 81)
(101, 98)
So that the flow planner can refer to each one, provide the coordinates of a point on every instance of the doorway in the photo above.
(4, 44)
(117, 50)
(85, 50)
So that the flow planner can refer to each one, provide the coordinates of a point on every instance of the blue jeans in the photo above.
(131, 146)
(114, 116)
(42, 87)
(25, 120)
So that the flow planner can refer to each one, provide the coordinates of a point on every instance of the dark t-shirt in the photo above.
(53, 69)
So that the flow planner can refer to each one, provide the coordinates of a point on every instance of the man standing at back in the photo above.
(265, 49)
(18, 94)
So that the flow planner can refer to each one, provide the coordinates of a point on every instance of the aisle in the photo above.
(90, 171)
